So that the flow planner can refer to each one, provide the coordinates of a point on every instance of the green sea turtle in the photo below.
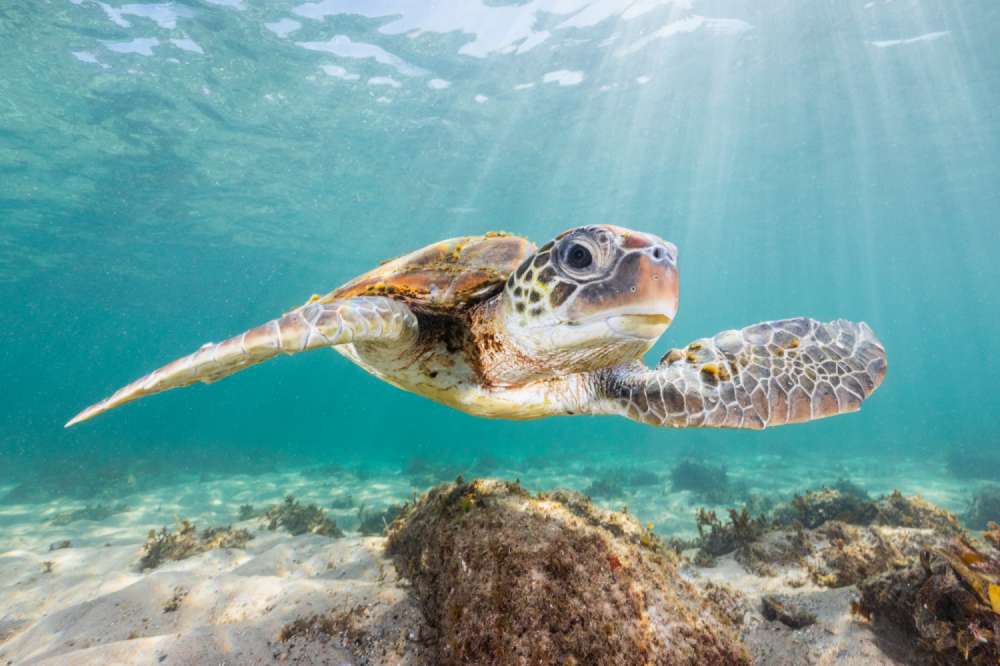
(493, 327)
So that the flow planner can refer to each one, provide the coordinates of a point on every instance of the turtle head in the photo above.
(594, 296)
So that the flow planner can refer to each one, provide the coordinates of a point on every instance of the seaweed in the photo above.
(849, 504)
(947, 599)
(604, 488)
(506, 577)
(847, 487)
(422, 472)
(716, 538)
(342, 502)
(815, 507)
(298, 519)
(96, 512)
(708, 483)
(375, 522)
(897, 510)
(247, 512)
(984, 507)
(186, 542)
(616, 482)
(60, 545)
(310, 628)
(174, 602)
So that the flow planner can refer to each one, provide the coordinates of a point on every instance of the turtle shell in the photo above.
(447, 275)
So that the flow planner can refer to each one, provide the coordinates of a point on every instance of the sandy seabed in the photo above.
(88, 602)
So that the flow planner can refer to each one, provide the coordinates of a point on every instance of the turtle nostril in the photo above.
(659, 252)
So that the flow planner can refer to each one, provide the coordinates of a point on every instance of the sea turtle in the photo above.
(493, 327)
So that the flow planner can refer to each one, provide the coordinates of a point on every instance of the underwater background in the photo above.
(176, 172)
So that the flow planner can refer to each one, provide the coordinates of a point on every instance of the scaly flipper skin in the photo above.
(769, 374)
(312, 326)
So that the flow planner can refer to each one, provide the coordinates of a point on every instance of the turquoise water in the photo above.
(176, 172)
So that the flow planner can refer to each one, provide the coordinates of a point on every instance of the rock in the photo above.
(899, 511)
(984, 508)
(503, 577)
(948, 599)
(785, 612)
(816, 507)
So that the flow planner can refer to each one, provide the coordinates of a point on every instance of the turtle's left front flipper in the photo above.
(312, 326)
(773, 373)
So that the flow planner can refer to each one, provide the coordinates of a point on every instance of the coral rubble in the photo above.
(506, 577)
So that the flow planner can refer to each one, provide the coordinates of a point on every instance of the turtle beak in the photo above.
(652, 300)
(640, 299)
(658, 282)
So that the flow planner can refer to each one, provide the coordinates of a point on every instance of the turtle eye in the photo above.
(578, 257)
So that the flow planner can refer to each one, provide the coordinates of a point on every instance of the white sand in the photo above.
(95, 607)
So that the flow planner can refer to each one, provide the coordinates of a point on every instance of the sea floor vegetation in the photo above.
(186, 541)
(767, 570)
(296, 518)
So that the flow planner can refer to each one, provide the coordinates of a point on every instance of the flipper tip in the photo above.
(82, 416)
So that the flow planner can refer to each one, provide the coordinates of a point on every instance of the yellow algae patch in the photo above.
(715, 371)
(994, 591)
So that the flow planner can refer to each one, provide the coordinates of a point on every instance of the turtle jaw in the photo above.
(640, 326)
(640, 299)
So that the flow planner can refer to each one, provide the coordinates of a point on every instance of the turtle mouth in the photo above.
(644, 326)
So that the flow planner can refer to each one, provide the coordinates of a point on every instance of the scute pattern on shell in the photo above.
(772, 373)
(448, 275)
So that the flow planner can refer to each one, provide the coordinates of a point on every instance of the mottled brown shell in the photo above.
(447, 275)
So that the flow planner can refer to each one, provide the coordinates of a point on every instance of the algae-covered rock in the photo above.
(505, 577)
(296, 519)
(850, 554)
(776, 609)
(816, 507)
(983, 508)
(916, 512)
(709, 483)
(187, 542)
(948, 599)
(373, 522)
(843, 504)
(616, 482)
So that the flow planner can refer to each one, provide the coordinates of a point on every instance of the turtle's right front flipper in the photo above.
(772, 373)
(365, 318)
